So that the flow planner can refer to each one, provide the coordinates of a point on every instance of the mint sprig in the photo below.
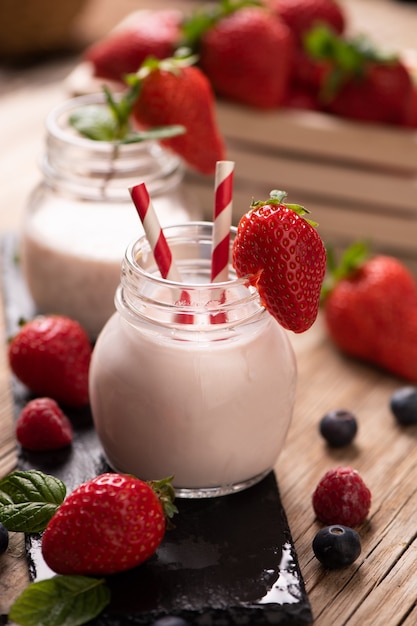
(29, 499)
(112, 120)
(60, 601)
(99, 123)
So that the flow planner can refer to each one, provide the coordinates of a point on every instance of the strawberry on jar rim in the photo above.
(281, 253)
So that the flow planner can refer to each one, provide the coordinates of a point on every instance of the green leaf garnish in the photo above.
(99, 123)
(28, 500)
(60, 601)
(94, 122)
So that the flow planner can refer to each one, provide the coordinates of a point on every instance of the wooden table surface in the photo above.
(380, 588)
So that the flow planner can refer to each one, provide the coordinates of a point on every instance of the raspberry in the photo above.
(42, 425)
(341, 497)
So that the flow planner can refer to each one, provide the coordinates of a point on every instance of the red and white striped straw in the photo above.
(154, 233)
(222, 220)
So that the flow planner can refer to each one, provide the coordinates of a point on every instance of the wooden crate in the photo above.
(358, 180)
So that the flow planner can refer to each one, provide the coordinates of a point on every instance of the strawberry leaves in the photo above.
(61, 600)
(346, 57)
(28, 500)
(276, 198)
(351, 260)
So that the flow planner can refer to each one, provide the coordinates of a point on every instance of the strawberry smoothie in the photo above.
(208, 403)
(71, 254)
(80, 218)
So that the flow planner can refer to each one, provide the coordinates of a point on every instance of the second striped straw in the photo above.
(222, 220)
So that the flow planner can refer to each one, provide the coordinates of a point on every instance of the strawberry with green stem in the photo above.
(175, 91)
(370, 310)
(280, 252)
(107, 524)
(361, 82)
(245, 50)
(167, 100)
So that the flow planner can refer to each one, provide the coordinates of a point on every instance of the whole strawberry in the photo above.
(362, 82)
(342, 497)
(370, 310)
(174, 92)
(248, 56)
(282, 255)
(42, 425)
(51, 356)
(303, 15)
(107, 525)
(145, 33)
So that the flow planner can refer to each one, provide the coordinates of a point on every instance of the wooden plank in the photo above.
(317, 134)
(347, 184)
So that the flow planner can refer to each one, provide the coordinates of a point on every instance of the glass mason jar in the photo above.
(193, 379)
(80, 218)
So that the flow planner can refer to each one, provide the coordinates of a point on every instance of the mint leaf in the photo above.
(100, 123)
(28, 500)
(60, 601)
(95, 122)
(155, 133)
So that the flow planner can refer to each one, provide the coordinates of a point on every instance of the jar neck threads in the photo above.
(194, 304)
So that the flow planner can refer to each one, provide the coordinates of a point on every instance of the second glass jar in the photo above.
(80, 218)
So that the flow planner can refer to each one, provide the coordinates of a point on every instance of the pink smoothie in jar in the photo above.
(202, 390)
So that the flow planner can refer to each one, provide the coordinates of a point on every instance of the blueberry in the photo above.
(338, 427)
(404, 405)
(337, 546)
(170, 620)
(4, 539)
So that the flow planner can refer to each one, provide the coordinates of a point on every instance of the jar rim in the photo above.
(142, 246)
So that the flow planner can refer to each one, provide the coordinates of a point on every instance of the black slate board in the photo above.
(229, 560)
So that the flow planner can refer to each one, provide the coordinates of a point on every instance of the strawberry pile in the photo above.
(269, 54)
